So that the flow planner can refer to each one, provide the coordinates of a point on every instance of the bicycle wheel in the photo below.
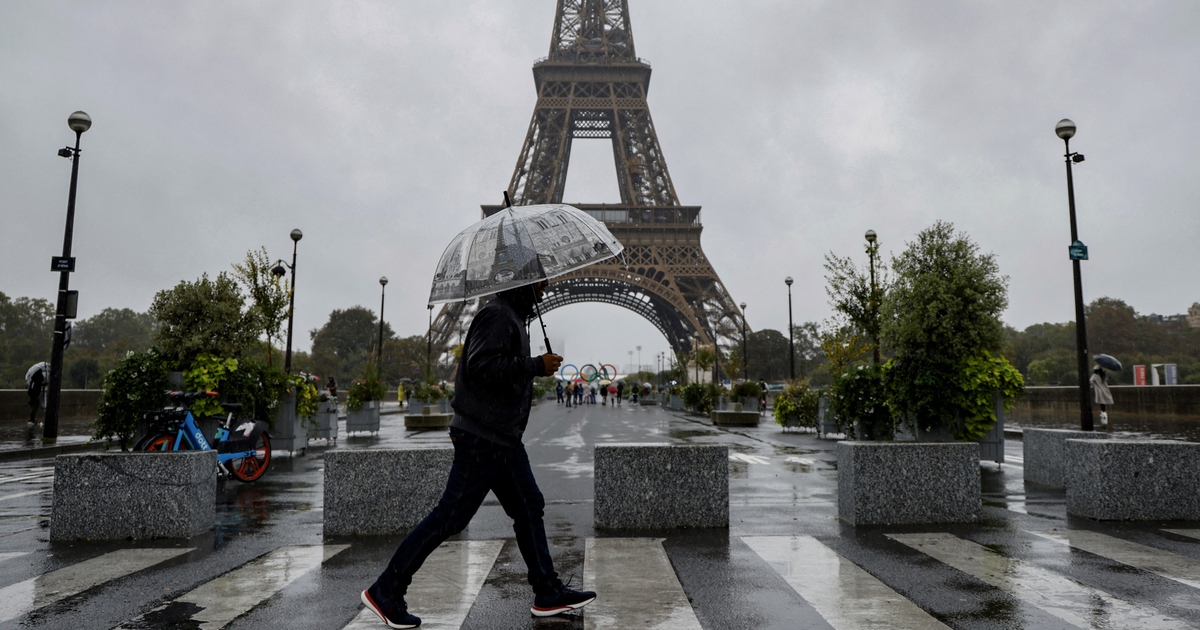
(162, 442)
(248, 469)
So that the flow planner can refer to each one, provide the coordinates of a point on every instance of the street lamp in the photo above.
(1065, 129)
(631, 370)
(791, 333)
(639, 363)
(429, 345)
(379, 350)
(745, 362)
(873, 303)
(79, 122)
(287, 358)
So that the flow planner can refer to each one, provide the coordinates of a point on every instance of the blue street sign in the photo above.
(1078, 251)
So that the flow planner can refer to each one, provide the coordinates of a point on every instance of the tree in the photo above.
(115, 331)
(202, 317)
(942, 317)
(704, 357)
(1112, 327)
(853, 293)
(84, 372)
(403, 358)
(26, 330)
(269, 299)
(342, 346)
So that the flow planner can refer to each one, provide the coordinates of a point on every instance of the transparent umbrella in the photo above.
(520, 246)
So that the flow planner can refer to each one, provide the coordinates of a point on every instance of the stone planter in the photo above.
(676, 402)
(429, 418)
(1042, 450)
(750, 403)
(327, 421)
(734, 416)
(881, 483)
(991, 445)
(661, 486)
(113, 496)
(288, 434)
(826, 423)
(418, 407)
(365, 419)
(1132, 480)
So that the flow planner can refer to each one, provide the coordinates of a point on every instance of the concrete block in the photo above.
(661, 486)
(1132, 480)
(1042, 450)
(735, 418)
(288, 433)
(365, 419)
(382, 491)
(113, 496)
(429, 418)
(908, 482)
(326, 421)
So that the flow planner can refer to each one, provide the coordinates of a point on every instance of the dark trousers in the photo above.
(35, 401)
(479, 466)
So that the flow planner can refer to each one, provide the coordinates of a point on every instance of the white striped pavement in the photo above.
(1169, 565)
(9, 555)
(1190, 533)
(233, 594)
(23, 494)
(1059, 596)
(29, 595)
(847, 597)
(445, 588)
(636, 586)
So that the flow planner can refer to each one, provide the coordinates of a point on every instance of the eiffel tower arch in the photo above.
(593, 86)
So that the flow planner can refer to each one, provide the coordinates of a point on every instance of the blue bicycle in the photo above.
(244, 451)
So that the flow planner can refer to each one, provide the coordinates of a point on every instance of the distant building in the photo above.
(1193, 316)
(1169, 319)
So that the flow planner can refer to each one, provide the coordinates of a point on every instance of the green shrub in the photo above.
(860, 397)
(430, 392)
(365, 389)
(137, 384)
(205, 375)
(747, 389)
(797, 403)
(257, 387)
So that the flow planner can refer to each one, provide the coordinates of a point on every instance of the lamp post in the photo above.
(791, 333)
(631, 370)
(1065, 129)
(79, 122)
(639, 363)
(287, 358)
(873, 302)
(745, 359)
(379, 350)
(429, 345)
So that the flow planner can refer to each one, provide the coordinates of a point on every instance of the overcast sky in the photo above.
(379, 128)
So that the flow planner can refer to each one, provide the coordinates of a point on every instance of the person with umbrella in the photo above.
(1099, 380)
(511, 255)
(35, 382)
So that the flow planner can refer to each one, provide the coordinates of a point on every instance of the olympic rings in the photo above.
(563, 372)
(588, 373)
(589, 377)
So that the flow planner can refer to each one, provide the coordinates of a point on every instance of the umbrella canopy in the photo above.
(44, 366)
(1107, 362)
(519, 246)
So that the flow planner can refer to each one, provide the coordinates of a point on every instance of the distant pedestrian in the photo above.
(620, 392)
(570, 394)
(603, 396)
(35, 382)
(559, 391)
(331, 387)
(1103, 396)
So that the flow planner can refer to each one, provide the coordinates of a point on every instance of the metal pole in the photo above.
(745, 355)
(50, 427)
(287, 359)
(379, 350)
(1085, 403)
(872, 249)
(791, 335)
(429, 345)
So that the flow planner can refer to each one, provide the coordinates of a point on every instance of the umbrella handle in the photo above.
(544, 337)
(507, 201)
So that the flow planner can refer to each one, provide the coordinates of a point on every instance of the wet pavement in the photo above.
(785, 561)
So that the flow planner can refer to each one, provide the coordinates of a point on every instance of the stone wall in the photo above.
(73, 404)
(1172, 410)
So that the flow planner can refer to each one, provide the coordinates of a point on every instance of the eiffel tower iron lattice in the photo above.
(593, 86)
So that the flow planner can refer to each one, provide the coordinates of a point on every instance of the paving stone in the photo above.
(1133, 480)
(1042, 450)
(661, 486)
(111, 496)
(382, 491)
(908, 482)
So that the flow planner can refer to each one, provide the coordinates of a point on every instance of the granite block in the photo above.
(365, 419)
(382, 491)
(1132, 480)
(661, 486)
(427, 420)
(1042, 450)
(113, 496)
(735, 418)
(908, 482)
(288, 433)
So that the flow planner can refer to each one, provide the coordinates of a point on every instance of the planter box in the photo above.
(1042, 450)
(114, 496)
(733, 416)
(661, 486)
(895, 483)
(428, 419)
(382, 491)
(365, 419)
(826, 423)
(750, 403)
(648, 402)
(991, 445)
(327, 421)
(418, 407)
(288, 434)
(1132, 480)
(676, 403)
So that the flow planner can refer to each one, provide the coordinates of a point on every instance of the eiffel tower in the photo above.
(593, 85)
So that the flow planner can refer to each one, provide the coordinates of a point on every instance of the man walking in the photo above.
(492, 395)
(35, 381)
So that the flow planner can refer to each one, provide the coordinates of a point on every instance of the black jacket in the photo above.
(494, 386)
